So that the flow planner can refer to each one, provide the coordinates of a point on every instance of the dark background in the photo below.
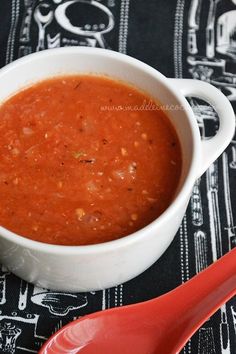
(149, 31)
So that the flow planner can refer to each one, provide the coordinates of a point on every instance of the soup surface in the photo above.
(80, 164)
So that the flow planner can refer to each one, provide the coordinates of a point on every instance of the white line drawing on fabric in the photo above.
(3, 274)
(111, 3)
(58, 326)
(91, 42)
(108, 291)
(15, 321)
(224, 331)
(184, 262)
(210, 29)
(42, 20)
(44, 13)
(8, 335)
(201, 72)
(193, 22)
(184, 251)
(204, 115)
(233, 313)
(200, 246)
(121, 295)
(26, 23)
(214, 214)
(15, 10)
(228, 206)
(53, 42)
(112, 297)
(22, 302)
(206, 342)
(233, 161)
(216, 244)
(2, 289)
(196, 204)
(124, 22)
(27, 350)
(24, 50)
(217, 64)
(116, 296)
(58, 303)
(94, 31)
(103, 299)
(178, 36)
(232, 91)
(226, 34)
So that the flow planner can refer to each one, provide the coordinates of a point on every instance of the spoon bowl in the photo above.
(162, 325)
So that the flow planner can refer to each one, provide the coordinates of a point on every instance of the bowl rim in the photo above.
(180, 197)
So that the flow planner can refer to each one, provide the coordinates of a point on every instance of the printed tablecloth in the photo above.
(183, 39)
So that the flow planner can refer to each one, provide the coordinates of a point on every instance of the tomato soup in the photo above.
(84, 161)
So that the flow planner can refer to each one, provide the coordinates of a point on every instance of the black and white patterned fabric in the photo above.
(181, 38)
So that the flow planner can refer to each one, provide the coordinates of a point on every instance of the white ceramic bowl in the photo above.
(86, 268)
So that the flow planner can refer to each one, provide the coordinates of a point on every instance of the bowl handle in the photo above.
(213, 147)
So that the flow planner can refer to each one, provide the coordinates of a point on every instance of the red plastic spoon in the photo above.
(159, 326)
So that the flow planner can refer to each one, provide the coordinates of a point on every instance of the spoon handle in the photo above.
(192, 303)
